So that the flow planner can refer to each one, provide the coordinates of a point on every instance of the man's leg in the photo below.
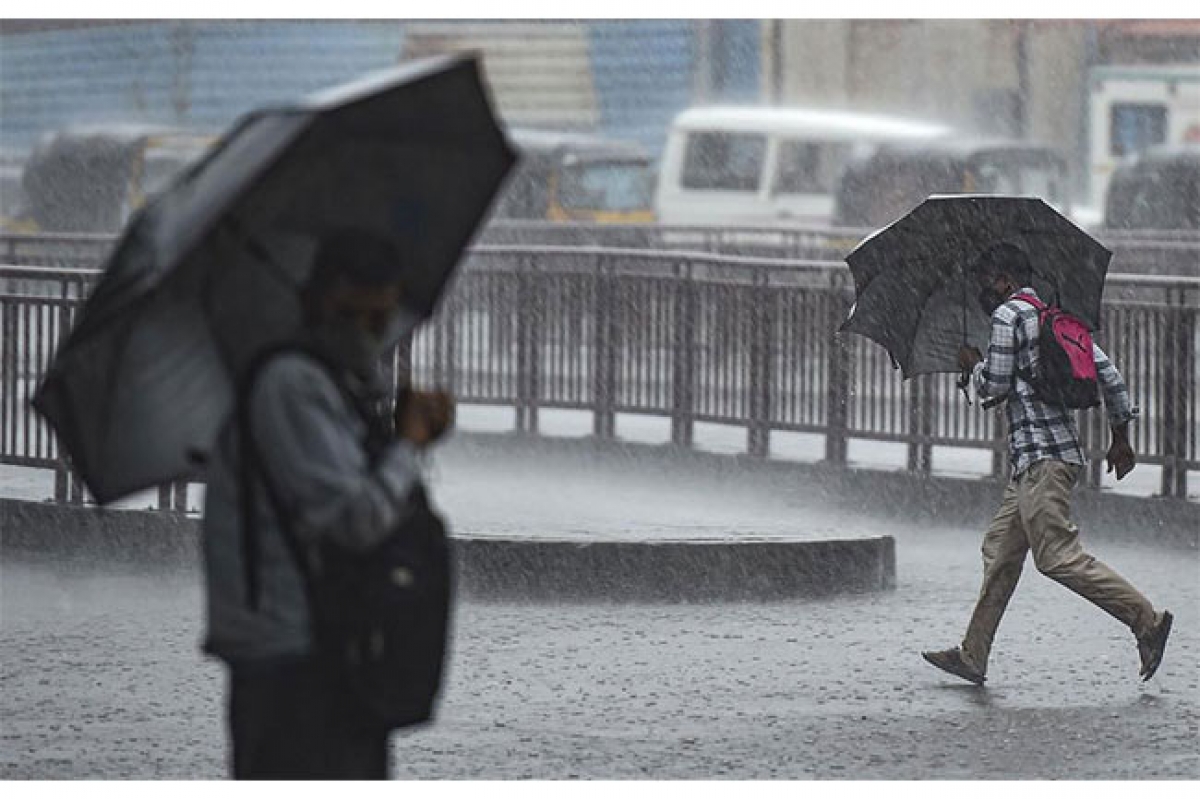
(1004, 548)
(1044, 492)
(275, 722)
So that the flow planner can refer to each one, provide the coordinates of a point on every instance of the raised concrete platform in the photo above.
(503, 567)
(681, 570)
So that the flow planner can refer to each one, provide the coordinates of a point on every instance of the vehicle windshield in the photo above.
(1012, 174)
(605, 186)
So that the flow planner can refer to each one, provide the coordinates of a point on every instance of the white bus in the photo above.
(766, 166)
(1134, 108)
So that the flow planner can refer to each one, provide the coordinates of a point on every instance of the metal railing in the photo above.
(1166, 252)
(690, 337)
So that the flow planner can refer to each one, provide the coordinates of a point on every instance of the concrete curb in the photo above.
(494, 567)
(946, 501)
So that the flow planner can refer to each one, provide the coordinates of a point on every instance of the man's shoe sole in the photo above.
(1150, 669)
(971, 677)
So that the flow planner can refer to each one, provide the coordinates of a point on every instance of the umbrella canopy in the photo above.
(207, 275)
(915, 285)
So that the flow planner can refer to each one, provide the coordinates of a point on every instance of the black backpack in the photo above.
(380, 618)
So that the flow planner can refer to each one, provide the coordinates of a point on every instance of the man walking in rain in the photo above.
(334, 470)
(1046, 463)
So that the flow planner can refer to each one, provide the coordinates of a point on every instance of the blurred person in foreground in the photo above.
(325, 460)
(1046, 463)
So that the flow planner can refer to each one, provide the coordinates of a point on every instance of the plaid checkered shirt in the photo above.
(1037, 430)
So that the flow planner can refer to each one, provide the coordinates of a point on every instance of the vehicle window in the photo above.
(1136, 126)
(724, 161)
(1014, 175)
(893, 188)
(810, 167)
(605, 186)
(995, 178)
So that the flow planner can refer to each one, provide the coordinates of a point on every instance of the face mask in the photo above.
(348, 344)
(400, 325)
(361, 349)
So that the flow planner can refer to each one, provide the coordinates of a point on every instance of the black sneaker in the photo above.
(951, 661)
(1152, 646)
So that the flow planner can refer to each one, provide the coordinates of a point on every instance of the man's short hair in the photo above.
(1004, 260)
(356, 257)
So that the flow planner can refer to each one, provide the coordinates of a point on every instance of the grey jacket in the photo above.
(310, 440)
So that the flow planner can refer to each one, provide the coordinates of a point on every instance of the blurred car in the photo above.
(887, 183)
(90, 179)
(13, 204)
(573, 177)
(1158, 190)
(763, 166)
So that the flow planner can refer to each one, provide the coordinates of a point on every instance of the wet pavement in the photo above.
(102, 677)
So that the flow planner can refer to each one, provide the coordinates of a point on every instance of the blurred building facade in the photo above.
(622, 78)
(1010, 78)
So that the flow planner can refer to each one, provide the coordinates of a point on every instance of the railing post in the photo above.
(62, 483)
(1178, 381)
(173, 496)
(603, 357)
(1184, 397)
(450, 347)
(1091, 437)
(1170, 388)
(441, 367)
(761, 318)
(920, 419)
(403, 362)
(837, 392)
(1001, 461)
(683, 378)
(528, 311)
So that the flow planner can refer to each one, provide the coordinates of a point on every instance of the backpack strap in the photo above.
(1034, 301)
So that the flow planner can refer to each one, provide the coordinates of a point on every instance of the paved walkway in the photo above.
(101, 675)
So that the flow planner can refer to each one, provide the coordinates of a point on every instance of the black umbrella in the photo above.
(915, 289)
(206, 276)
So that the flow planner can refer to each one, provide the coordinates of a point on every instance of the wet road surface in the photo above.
(102, 677)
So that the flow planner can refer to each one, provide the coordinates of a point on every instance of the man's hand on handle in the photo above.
(423, 417)
(1120, 454)
(968, 356)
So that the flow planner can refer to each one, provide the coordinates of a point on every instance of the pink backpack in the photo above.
(1066, 369)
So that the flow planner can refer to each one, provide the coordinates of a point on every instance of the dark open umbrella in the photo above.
(206, 276)
(915, 290)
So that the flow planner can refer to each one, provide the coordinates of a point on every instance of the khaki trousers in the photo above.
(1035, 514)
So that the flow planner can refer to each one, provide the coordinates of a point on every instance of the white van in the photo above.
(766, 166)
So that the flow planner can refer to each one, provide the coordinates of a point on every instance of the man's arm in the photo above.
(1116, 393)
(993, 376)
(1120, 454)
(315, 463)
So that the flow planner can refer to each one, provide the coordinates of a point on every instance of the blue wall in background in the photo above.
(204, 74)
(643, 74)
(199, 75)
